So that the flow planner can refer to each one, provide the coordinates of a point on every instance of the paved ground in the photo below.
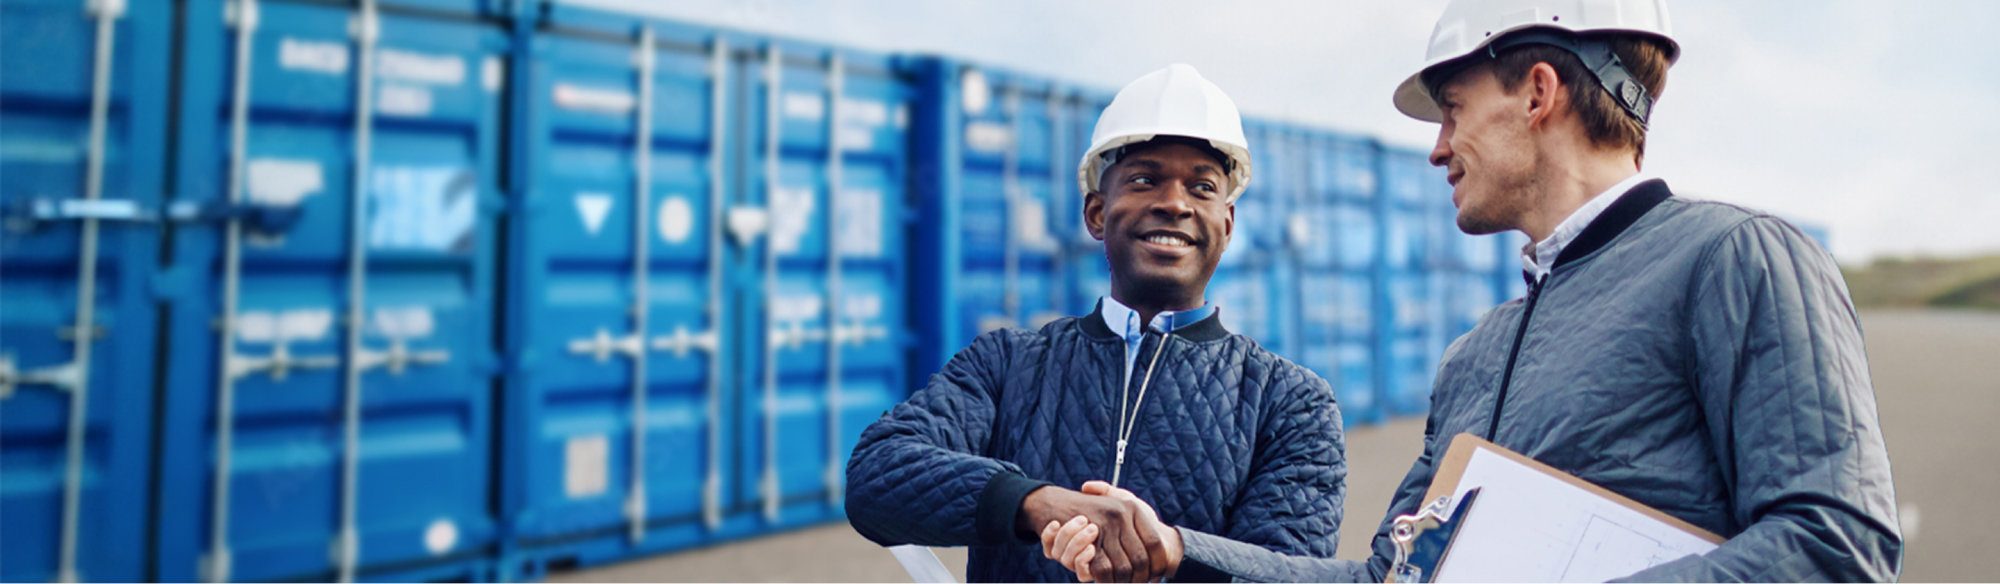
(1937, 378)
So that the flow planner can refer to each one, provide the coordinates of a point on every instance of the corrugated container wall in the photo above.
(1337, 232)
(332, 375)
(706, 285)
(82, 160)
(999, 237)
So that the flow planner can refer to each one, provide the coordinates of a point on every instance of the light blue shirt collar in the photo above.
(1124, 322)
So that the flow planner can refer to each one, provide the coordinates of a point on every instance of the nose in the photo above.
(1441, 151)
(1174, 202)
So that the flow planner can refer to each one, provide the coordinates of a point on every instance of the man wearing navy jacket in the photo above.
(1148, 391)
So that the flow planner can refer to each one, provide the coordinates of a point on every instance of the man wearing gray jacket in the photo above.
(1698, 357)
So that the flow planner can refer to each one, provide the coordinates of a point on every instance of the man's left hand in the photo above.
(1071, 543)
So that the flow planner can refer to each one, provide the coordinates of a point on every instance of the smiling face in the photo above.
(1486, 148)
(1165, 219)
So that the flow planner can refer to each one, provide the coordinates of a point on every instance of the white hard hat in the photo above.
(1469, 28)
(1175, 101)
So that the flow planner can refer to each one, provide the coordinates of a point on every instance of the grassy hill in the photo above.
(1972, 282)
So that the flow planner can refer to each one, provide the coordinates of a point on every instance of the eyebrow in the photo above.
(1155, 166)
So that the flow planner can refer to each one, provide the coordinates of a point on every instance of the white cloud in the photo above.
(1873, 119)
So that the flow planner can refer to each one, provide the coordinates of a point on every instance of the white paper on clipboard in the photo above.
(1534, 523)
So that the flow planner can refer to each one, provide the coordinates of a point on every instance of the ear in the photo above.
(1228, 229)
(1093, 214)
(1545, 95)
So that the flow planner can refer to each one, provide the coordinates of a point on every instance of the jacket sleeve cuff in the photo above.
(1196, 558)
(1000, 503)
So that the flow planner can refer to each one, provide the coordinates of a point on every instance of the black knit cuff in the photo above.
(999, 504)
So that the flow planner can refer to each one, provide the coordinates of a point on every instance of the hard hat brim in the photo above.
(1414, 100)
(1091, 169)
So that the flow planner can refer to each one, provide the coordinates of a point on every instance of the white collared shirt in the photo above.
(1125, 321)
(1540, 257)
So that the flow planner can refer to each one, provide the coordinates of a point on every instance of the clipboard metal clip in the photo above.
(1423, 538)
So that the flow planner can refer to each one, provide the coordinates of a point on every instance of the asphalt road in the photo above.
(1937, 383)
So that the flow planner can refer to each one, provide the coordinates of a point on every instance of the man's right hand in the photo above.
(1128, 550)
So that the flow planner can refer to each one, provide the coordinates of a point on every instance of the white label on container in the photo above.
(586, 466)
(861, 306)
(791, 217)
(305, 324)
(866, 112)
(313, 56)
(429, 208)
(605, 101)
(676, 219)
(974, 93)
(440, 537)
(257, 326)
(859, 222)
(1031, 224)
(593, 208)
(282, 181)
(857, 139)
(404, 322)
(404, 100)
(420, 67)
(988, 137)
(260, 326)
(791, 308)
(803, 105)
(492, 73)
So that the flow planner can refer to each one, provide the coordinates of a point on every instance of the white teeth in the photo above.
(1167, 240)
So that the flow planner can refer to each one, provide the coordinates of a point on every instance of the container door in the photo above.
(617, 310)
(824, 324)
(1008, 272)
(1413, 301)
(1336, 284)
(331, 362)
(82, 156)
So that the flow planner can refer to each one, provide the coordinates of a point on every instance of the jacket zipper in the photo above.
(1507, 378)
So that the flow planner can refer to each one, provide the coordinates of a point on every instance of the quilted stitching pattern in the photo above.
(1707, 363)
(1231, 439)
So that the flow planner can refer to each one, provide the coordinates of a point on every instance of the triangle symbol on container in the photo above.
(593, 207)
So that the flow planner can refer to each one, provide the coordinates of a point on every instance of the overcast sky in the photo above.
(1872, 118)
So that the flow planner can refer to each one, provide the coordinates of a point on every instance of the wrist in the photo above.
(998, 518)
(1028, 518)
(1171, 540)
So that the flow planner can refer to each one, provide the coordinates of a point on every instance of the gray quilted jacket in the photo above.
(1231, 439)
(1695, 356)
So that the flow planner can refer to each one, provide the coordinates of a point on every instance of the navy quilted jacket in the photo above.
(1231, 439)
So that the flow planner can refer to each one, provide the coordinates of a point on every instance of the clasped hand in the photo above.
(1110, 534)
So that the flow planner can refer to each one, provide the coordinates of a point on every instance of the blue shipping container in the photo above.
(333, 377)
(82, 138)
(699, 369)
(1336, 256)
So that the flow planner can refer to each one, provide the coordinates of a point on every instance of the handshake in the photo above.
(1103, 532)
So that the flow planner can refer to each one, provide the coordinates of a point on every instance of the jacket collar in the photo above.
(1206, 329)
(1613, 222)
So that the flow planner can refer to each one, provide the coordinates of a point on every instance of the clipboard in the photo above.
(1531, 522)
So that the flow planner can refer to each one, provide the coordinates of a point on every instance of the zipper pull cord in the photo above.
(1127, 425)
